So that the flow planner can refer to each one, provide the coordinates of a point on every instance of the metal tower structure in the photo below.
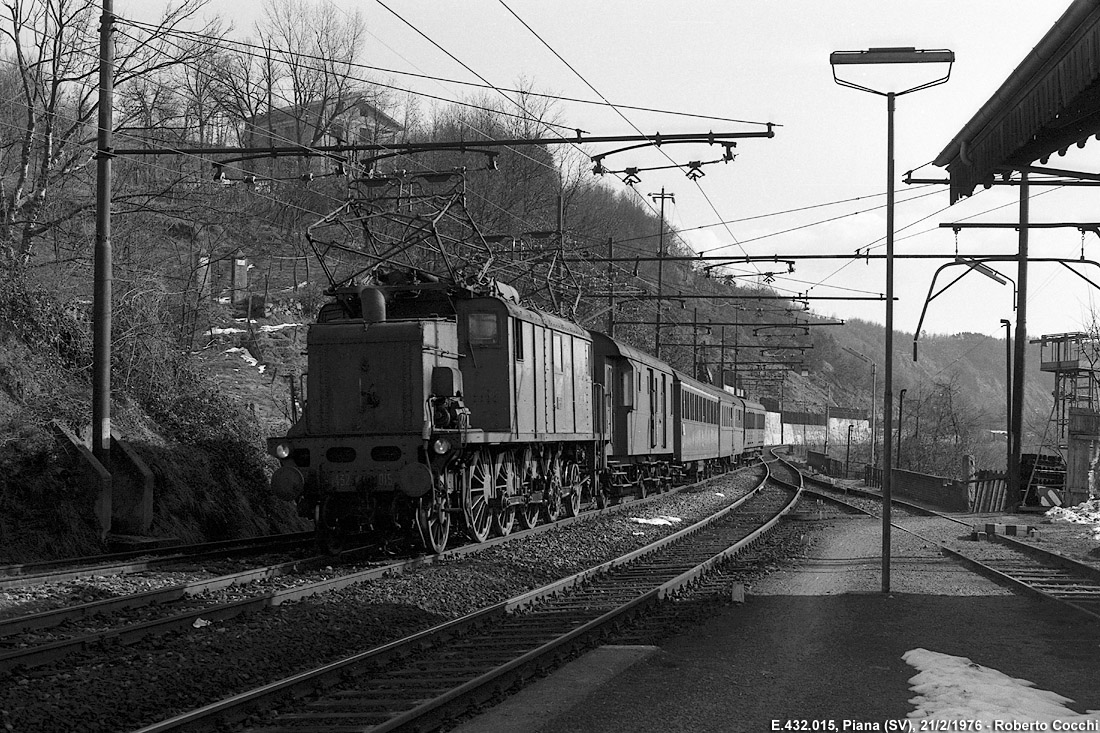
(1072, 358)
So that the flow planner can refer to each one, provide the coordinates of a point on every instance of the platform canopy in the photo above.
(1050, 102)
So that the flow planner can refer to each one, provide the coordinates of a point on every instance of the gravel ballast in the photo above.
(125, 687)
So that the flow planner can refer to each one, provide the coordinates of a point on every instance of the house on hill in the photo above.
(352, 120)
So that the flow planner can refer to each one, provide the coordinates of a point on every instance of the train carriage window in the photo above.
(517, 338)
(484, 329)
(559, 365)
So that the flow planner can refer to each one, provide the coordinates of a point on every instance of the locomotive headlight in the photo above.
(441, 445)
(282, 450)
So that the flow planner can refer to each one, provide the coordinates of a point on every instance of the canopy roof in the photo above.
(1050, 102)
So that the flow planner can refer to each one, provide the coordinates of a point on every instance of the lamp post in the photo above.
(848, 452)
(901, 403)
(874, 386)
(1008, 396)
(894, 55)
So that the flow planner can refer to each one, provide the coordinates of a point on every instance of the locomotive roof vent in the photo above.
(373, 303)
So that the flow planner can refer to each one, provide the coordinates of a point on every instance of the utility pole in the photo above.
(610, 288)
(101, 303)
(1008, 397)
(1016, 485)
(722, 365)
(660, 264)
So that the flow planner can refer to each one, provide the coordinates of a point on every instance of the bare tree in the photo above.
(937, 427)
(52, 45)
(314, 63)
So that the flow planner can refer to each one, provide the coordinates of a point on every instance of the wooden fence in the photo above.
(987, 491)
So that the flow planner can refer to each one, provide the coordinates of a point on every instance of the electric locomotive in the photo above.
(427, 402)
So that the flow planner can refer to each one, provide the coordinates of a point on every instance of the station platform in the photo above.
(817, 645)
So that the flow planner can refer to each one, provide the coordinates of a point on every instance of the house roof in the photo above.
(365, 107)
(1050, 102)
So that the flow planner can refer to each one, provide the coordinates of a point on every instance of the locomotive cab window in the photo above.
(484, 329)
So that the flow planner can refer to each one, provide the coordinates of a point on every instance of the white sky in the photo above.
(768, 62)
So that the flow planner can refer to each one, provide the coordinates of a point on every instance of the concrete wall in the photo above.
(799, 434)
(937, 491)
(773, 429)
(838, 431)
(794, 434)
(824, 464)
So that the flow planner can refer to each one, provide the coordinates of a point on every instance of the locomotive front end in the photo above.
(383, 418)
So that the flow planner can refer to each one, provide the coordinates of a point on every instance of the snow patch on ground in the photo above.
(246, 355)
(955, 688)
(659, 520)
(1085, 513)
(264, 329)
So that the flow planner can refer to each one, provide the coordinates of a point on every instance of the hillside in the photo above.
(966, 370)
(203, 445)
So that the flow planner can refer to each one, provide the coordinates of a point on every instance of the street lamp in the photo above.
(874, 386)
(894, 55)
(1008, 396)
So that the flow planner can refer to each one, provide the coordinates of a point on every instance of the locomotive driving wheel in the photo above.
(434, 522)
(551, 502)
(476, 492)
(528, 513)
(504, 516)
(571, 487)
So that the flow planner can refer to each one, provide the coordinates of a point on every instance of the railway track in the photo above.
(136, 561)
(1011, 562)
(35, 639)
(419, 681)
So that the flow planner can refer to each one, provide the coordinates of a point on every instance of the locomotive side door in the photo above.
(664, 422)
(656, 419)
(607, 419)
